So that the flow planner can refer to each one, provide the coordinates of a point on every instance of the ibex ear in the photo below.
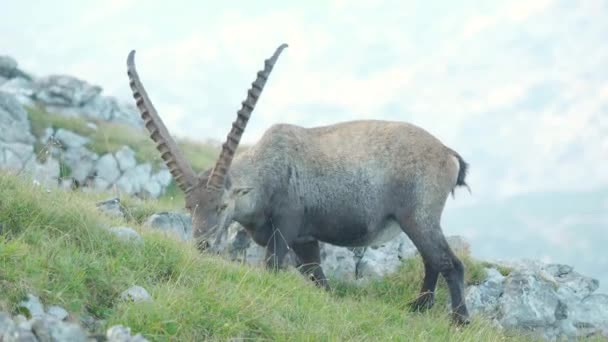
(241, 191)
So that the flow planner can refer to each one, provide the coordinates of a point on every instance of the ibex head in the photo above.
(205, 194)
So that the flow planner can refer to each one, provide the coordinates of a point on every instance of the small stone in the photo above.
(126, 158)
(70, 139)
(32, 305)
(174, 223)
(67, 331)
(136, 294)
(111, 207)
(57, 312)
(127, 234)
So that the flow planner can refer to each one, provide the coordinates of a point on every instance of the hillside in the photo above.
(63, 254)
(87, 211)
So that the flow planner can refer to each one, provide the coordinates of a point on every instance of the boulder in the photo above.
(135, 294)
(551, 301)
(57, 91)
(174, 223)
(8, 66)
(14, 122)
(127, 234)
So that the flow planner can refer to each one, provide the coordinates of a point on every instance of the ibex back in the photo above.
(350, 184)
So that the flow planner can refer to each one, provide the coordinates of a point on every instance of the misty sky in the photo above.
(519, 88)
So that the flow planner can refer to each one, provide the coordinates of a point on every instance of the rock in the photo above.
(81, 161)
(120, 333)
(338, 262)
(45, 173)
(125, 157)
(65, 91)
(109, 109)
(70, 139)
(57, 312)
(382, 260)
(550, 300)
(127, 234)
(134, 180)
(483, 298)
(8, 67)
(7, 326)
(590, 316)
(13, 156)
(162, 177)
(21, 88)
(111, 207)
(66, 331)
(106, 169)
(174, 223)
(32, 305)
(136, 294)
(14, 121)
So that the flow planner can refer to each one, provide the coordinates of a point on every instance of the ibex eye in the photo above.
(222, 207)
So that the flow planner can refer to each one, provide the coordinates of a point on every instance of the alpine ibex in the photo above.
(349, 184)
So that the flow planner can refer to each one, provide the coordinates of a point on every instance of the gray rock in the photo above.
(136, 294)
(14, 121)
(482, 299)
(65, 331)
(81, 161)
(384, 259)
(173, 223)
(163, 177)
(3, 80)
(22, 89)
(32, 305)
(126, 158)
(70, 139)
(13, 156)
(57, 312)
(106, 169)
(590, 316)
(120, 333)
(338, 262)
(134, 180)
(45, 173)
(127, 234)
(63, 90)
(7, 326)
(8, 66)
(111, 207)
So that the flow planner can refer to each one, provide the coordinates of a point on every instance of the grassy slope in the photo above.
(53, 244)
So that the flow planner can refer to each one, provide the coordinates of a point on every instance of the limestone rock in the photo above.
(174, 223)
(136, 294)
(127, 234)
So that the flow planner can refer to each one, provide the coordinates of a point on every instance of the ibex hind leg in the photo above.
(426, 234)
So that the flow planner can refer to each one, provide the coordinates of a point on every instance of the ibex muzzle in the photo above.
(354, 183)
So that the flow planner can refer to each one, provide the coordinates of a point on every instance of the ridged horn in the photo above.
(174, 159)
(216, 179)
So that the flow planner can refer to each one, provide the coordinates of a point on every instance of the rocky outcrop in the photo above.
(548, 300)
(35, 323)
(65, 95)
(60, 156)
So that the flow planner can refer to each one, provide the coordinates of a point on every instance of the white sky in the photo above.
(519, 88)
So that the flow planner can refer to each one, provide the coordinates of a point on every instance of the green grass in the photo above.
(54, 245)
